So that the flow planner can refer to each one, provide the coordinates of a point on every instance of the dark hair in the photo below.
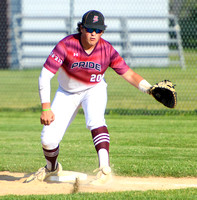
(79, 24)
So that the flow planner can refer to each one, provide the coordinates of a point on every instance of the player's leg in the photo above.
(94, 105)
(101, 141)
(65, 107)
(94, 108)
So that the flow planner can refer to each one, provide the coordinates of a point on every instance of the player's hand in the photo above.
(47, 117)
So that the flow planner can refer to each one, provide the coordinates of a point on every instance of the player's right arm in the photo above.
(47, 116)
(51, 66)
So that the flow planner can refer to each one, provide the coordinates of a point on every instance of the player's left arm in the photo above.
(136, 80)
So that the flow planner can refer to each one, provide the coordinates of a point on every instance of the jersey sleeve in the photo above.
(117, 62)
(44, 85)
(56, 58)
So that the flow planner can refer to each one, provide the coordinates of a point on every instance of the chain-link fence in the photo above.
(157, 38)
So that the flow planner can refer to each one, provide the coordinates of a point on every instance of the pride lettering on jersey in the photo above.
(88, 65)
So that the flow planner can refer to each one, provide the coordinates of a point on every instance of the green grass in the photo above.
(19, 89)
(183, 194)
(158, 143)
(140, 146)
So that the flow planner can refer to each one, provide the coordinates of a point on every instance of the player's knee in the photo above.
(95, 122)
(92, 126)
(49, 143)
(49, 146)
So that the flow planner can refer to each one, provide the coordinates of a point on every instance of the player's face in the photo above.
(90, 37)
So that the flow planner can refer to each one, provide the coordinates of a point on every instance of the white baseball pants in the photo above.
(65, 107)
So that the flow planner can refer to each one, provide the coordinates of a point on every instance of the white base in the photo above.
(67, 176)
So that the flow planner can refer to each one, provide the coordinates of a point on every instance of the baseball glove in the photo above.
(165, 93)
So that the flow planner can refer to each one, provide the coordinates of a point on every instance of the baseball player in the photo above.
(81, 60)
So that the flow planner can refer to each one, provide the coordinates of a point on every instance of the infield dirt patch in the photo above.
(12, 183)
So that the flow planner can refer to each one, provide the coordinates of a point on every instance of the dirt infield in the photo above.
(12, 183)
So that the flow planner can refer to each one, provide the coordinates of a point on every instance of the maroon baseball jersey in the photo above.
(79, 70)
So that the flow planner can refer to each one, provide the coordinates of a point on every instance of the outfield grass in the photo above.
(140, 146)
(19, 89)
(149, 145)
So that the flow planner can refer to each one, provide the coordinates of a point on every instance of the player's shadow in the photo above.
(10, 178)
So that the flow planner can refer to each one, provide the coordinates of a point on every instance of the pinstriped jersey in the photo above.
(78, 70)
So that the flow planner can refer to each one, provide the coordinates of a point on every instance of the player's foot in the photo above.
(43, 173)
(103, 176)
